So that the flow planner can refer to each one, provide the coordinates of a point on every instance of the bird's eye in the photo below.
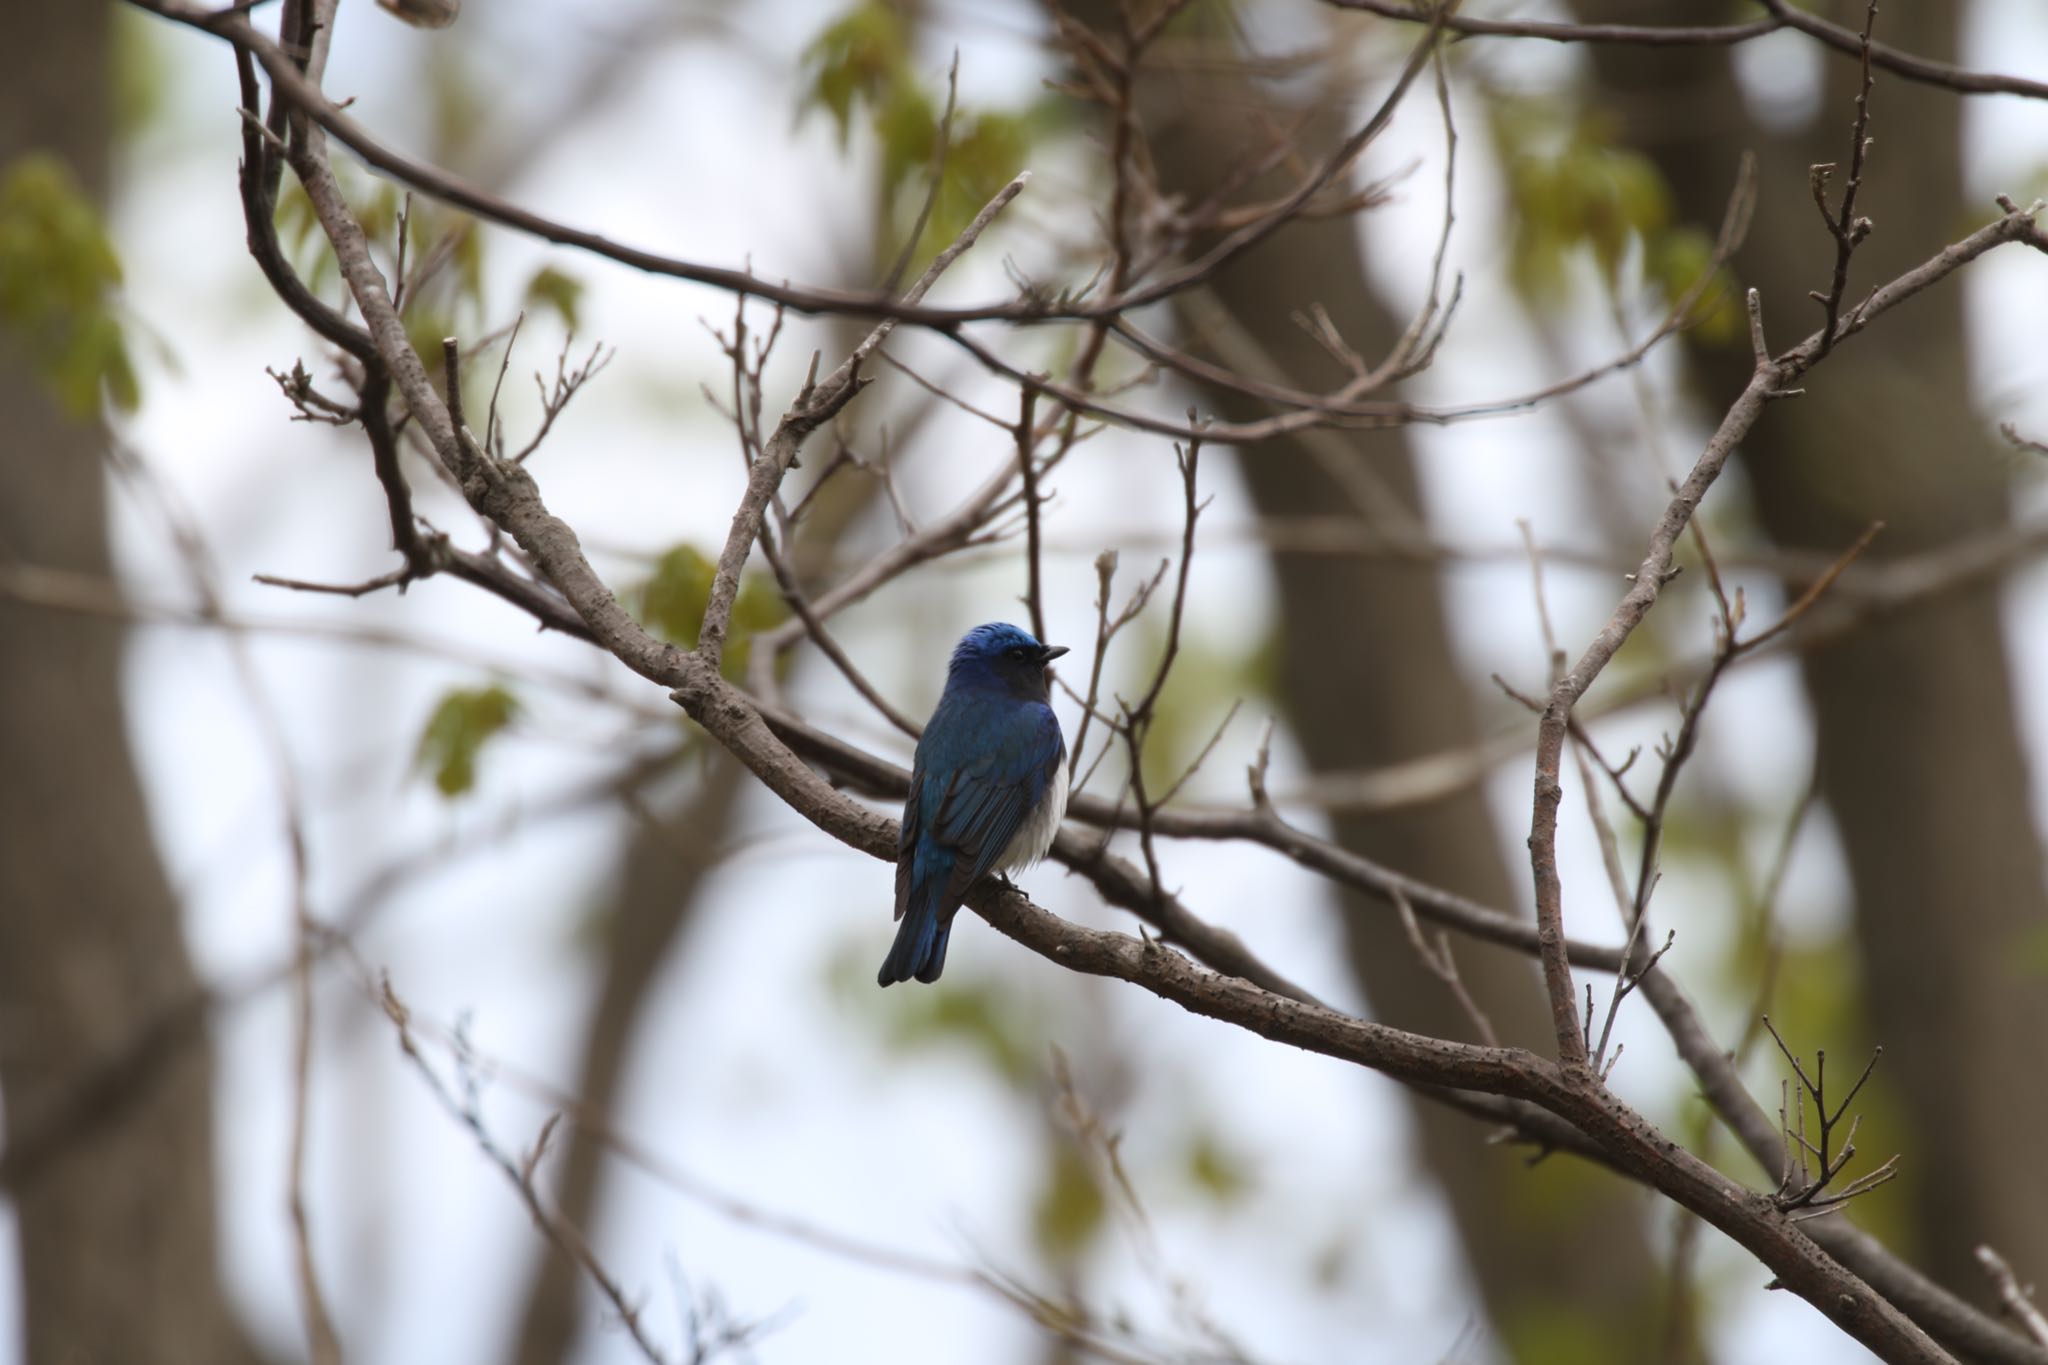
(1017, 651)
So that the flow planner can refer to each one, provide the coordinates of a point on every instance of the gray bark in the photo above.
(113, 1190)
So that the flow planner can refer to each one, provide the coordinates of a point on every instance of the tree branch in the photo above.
(1782, 15)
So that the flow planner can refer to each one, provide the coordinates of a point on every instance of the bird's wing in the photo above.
(907, 835)
(993, 790)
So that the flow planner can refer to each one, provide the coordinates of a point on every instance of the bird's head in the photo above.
(1002, 657)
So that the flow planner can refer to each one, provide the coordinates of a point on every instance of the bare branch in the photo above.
(1782, 15)
(816, 403)
(1845, 227)
(1766, 382)
(2018, 1301)
(566, 1238)
(1026, 433)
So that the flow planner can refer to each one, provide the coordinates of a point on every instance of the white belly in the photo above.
(1035, 835)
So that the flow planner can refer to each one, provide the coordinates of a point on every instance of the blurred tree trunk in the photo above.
(1369, 678)
(664, 865)
(116, 1219)
(662, 870)
(1920, 755)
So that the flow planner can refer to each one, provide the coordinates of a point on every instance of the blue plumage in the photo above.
(987, 790)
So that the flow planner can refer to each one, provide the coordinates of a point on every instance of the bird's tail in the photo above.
(920, 948)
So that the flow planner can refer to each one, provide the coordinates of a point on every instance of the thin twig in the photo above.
(1138, 719)
(942, 148)
(567, 1239)
(1444, 967)
(793, 594)
(1845, 227)
(1027, 468)
(2018, 1300)
(492, 438)
(817, 402)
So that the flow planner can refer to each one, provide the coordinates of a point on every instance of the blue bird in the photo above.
(986, 793)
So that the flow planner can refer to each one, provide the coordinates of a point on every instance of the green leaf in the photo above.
(556, 290)
(59, 277)
(908, 127)
(1676, 260)
(1214, 1169)
(379, 213)
(987, 1021)
(1070, 1208)
(1004, 1029)
(863, 63)
(986, 152)
(426, 323)
(672, 600)
(456, 733)
(469, 261)
(1576, 190)
(858, 58)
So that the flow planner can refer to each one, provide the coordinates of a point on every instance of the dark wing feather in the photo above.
(996, 791)
(906, 837)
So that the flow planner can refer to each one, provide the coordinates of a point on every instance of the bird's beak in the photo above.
(1047, 653)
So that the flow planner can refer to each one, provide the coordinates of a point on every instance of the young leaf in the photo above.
(672, 600)
(858, 57)
(58, 280)
(557, 290)
(456, 732)
(1070, 1206)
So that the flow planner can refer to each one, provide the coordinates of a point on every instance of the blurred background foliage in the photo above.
(60, 283)
(1577, 194)
(670, 602)
(865, 64)
(455, 734)
(1101, 1160)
